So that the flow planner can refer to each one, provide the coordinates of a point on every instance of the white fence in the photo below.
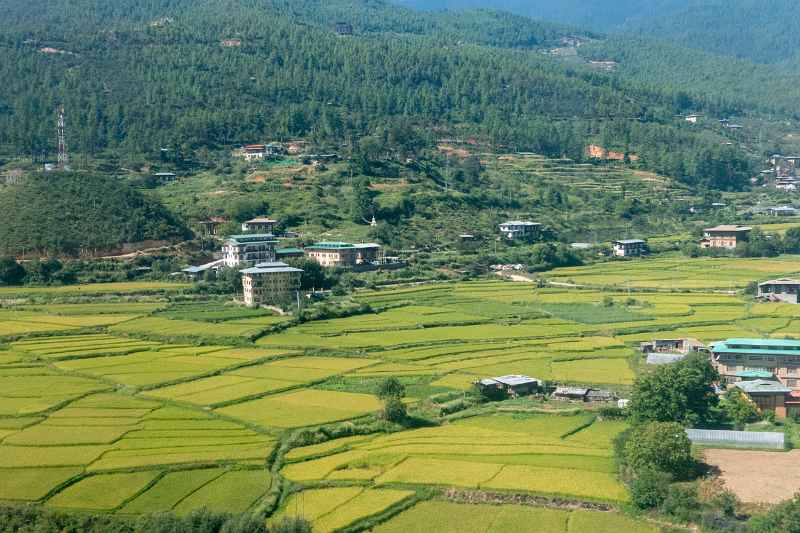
(745, 439)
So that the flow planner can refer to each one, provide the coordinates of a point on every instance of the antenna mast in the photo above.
(63, 157)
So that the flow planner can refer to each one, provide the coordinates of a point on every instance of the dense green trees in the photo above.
(392, 392)
(681, 392)
(72, 213)
(34, 519)
(11, 272)
(134, 86)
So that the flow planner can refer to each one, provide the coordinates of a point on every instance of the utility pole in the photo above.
(63, 156)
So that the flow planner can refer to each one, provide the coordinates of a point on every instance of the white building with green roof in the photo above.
(344, 254)
(772, 365)
(247, 250)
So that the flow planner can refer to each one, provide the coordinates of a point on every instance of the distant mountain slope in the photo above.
(603, 15)
(760, 30)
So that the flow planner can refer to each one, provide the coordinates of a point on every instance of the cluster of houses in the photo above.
(724, 237)
(766, 370)
(516, 386)
(266, 278)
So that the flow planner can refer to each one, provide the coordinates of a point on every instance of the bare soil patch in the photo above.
(758, 477)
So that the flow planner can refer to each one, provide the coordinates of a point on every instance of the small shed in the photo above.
(512, 385)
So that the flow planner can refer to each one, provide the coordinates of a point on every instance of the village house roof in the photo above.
(763, 386)
(664, 358)
(286, 251)
(261, 220)
(727, 228)
(757, 346)
(516, 380)
(784, 281)
(754, 374)
(571, 391)
(630, 241)
(272, 270)
(269, 268)
(330, 246)
(342, 246)
(249, 239)
(203, 268)
(520, 223)
(215, 220)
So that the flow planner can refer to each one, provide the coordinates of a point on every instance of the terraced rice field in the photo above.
(678, 273)
(538, 453)
(334, 508)
(446, 517)
(102, 395)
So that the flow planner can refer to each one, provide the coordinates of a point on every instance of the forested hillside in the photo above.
(136, 78)
(69, 213)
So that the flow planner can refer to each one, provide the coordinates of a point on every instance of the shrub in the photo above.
(739, 408)
(783, 518)
(290, 525)
(611, 412)
(650, 488)
(681, 503)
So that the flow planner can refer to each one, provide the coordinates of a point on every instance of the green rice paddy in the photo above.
(178, 407)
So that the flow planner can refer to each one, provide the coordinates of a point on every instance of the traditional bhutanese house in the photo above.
(517, 229)
(782, 211)
(260, 225)
(744, 359)
(513, 385)
(211, 225)
(768, 395)
(599, 395)
(246, 250)
(272, 283)
(629, 247)
(254, 152)
(669, 346)
(343, 28)
(780, 290)
(726, 236)
(343, 254)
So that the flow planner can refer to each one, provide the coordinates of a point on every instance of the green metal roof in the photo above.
(332, 245)
(289, 251)
(763, 342)
(757, 346)
(252, 237)
(754, 374)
